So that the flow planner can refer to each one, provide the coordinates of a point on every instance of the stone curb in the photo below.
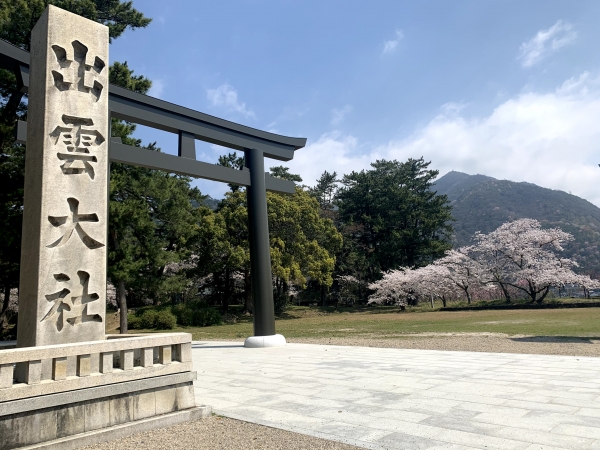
(123, 430)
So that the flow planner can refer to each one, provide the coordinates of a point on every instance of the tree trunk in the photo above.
(431, 298)
(505, 292)
(247, 292)
(6, 300)
(226, 291)
(544, 293)
(323, 299)
(9, 114)
(122, 301)
(468, 296)
(444, 301)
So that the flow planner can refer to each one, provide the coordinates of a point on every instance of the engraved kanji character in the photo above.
(75, 73)
(73, 223)
(70, 303)
(79, 141)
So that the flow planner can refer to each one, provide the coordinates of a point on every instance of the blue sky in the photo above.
(509, 89)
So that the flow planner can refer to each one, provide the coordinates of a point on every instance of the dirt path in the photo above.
(220, 433)
(472, 342)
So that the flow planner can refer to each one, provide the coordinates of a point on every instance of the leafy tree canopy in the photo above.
(397, 220)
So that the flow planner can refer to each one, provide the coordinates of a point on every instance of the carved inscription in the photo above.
(77, 71)
(79, 138)
(71, 302)
(66, 200)
(71, 224)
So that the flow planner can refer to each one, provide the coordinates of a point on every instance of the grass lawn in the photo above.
(387, 322)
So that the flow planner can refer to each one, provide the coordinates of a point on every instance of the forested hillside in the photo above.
(482, 203)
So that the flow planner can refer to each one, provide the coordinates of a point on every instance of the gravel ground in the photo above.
(220, 433)
(224, 433)
(474, 342)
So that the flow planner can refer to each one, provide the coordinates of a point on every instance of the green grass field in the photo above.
(387, 322)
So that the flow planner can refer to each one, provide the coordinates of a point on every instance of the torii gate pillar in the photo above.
(260, 256)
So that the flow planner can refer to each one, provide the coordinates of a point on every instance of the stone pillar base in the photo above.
(274, 340)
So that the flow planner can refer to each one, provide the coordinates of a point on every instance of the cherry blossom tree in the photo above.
(586, 283)
(400, 286)
(523, 255)
(462, 269)
(394, 288)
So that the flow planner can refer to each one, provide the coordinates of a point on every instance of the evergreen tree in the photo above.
(233, 161)
(392, 217)
(325, 190)
(153, 219)
(284, 173)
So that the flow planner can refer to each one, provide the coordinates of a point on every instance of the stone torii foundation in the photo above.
(67, 384)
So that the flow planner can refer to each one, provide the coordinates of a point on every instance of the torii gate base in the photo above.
(274, 340)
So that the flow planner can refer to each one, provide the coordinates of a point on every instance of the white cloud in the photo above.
(551, 139)
(157, 88)
(225, 96)
(545, 42)
(338, 115)
(331, 152)
(390, 46)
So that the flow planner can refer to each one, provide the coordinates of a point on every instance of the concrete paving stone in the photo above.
(217, 403)
(570, 383)
(460, 420)
(296, 408)
(434, 399)
(557, 393)
(335, 394)
(575, 402)
(407, 416)
(345, 416)
(558, 418)
(378, 398)
(577, 430)
(541, 406)
(275, 416)
(481, 389)
(351, 431)
(584, 390)
(480, 441)
(473, 398)
(544, 447)
(517, 422)
(591, 412)
(409, 442)
(538, 437)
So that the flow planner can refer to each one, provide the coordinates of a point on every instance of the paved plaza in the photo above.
(406, 399)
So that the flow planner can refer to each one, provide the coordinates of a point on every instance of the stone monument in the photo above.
(62, 294)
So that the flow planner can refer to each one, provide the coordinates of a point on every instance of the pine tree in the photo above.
(392, 216)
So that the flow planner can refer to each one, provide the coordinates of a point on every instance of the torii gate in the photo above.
(190, 125)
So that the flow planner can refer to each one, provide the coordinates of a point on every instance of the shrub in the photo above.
(197, 313)
(148, 319)
(205, 317)
(133, 322)
(281, 303)
(184, 315)
(165, 320)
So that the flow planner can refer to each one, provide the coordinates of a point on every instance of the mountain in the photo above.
(482, 203)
